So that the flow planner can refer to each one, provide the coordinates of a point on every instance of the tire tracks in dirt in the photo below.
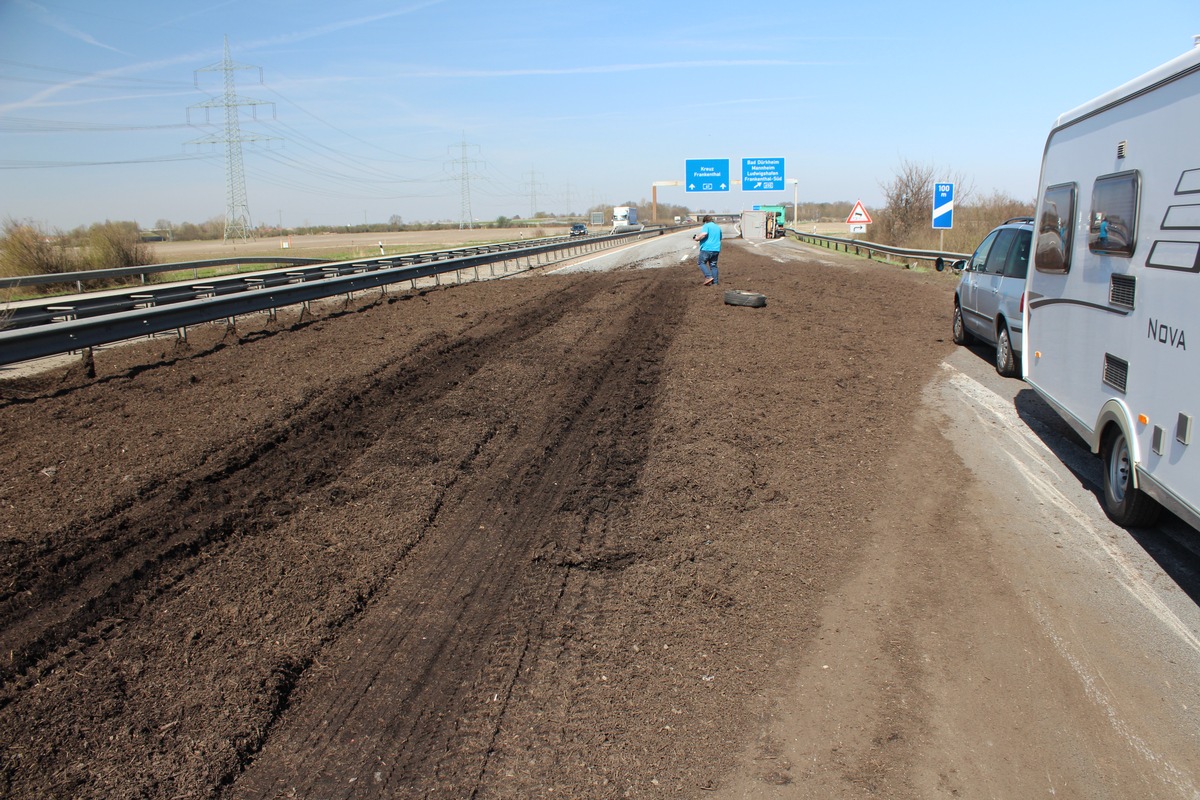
(98, 567)
(410, 699)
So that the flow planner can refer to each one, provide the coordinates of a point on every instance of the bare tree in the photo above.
(907, 217)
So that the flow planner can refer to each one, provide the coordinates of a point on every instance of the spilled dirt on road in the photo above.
(529, 535)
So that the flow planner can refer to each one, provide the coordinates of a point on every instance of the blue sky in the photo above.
(562, 105)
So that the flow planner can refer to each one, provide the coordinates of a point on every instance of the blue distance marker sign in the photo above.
(762, 174)
(943, 206)
(706, 175)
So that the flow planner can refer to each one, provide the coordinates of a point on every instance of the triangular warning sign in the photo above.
(859, 214)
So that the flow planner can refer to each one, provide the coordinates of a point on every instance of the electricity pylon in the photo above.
(465, 218)
(534, 183)
(237, 211)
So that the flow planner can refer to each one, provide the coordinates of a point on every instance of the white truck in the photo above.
(1115, 288)
(624, 218)
(757, 225)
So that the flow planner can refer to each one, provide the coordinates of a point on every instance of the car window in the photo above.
(981, 253)
(998, 257)
(1017, 265)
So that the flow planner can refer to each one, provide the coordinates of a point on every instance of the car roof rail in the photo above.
(1018, 219)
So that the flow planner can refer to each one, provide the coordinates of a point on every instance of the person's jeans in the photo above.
(708, 264)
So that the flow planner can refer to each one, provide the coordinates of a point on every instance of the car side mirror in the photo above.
(957, 266)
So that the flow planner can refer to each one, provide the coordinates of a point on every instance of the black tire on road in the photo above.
(1125, 505)
(1006, 359)
(959, 328)
(736, 297)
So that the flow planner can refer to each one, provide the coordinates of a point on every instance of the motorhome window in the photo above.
(1017, 265)
(998, 257)
(1055, 229)
(1113, 220)
(981, 253)
(1189, 182)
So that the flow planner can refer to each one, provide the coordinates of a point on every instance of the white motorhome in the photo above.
(1115, 288)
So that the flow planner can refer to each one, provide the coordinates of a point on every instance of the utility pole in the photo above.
(237, 210)
(465, 163)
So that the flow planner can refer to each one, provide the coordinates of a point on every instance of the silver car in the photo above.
(991, 293)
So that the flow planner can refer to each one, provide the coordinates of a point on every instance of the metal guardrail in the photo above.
(24, 313)
(859, 247)
(85, 276)
(183, 305)
(88, 275)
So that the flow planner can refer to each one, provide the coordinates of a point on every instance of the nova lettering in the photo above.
(1165, 334)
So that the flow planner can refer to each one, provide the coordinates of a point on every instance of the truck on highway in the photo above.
(624, 218)
(758, 224)
(1115, 285)
(780, 215)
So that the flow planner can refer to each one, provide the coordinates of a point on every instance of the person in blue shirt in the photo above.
(709, 238)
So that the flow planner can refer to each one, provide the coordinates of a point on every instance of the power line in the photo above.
(369, 168)
(31, 125)
(344, 132)
(5, 164)
(122, 82)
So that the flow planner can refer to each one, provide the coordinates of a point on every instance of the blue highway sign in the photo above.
(707, 175)
(943, 206)
(762, 174)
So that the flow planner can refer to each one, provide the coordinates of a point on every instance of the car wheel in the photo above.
(1125, 505)
(959, 328)
(1006, 360)
(736, 297)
